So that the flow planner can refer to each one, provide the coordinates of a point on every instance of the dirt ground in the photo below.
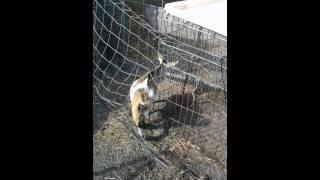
(186, 145)
(117, 154)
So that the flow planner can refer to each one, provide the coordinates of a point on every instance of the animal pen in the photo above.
(186, 133)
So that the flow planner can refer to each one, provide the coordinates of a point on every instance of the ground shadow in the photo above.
(177, 110)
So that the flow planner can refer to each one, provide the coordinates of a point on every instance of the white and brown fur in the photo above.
(140, 98)
(143, 90)
(146, 81)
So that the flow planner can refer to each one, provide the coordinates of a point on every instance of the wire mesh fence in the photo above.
(186, 130)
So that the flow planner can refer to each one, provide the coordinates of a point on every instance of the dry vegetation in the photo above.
(118, 154)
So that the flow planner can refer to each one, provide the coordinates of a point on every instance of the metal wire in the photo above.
(191, 97)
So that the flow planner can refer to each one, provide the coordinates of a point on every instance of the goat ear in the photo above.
(171, 64)
(160, 58)
(164, 61)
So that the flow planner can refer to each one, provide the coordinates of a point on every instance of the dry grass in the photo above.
(118, 155)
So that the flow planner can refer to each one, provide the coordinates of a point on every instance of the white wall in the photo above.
(211, 14)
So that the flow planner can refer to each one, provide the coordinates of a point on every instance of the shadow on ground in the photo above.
(177, 110)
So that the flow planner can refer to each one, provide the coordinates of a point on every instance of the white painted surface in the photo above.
(211, 14)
